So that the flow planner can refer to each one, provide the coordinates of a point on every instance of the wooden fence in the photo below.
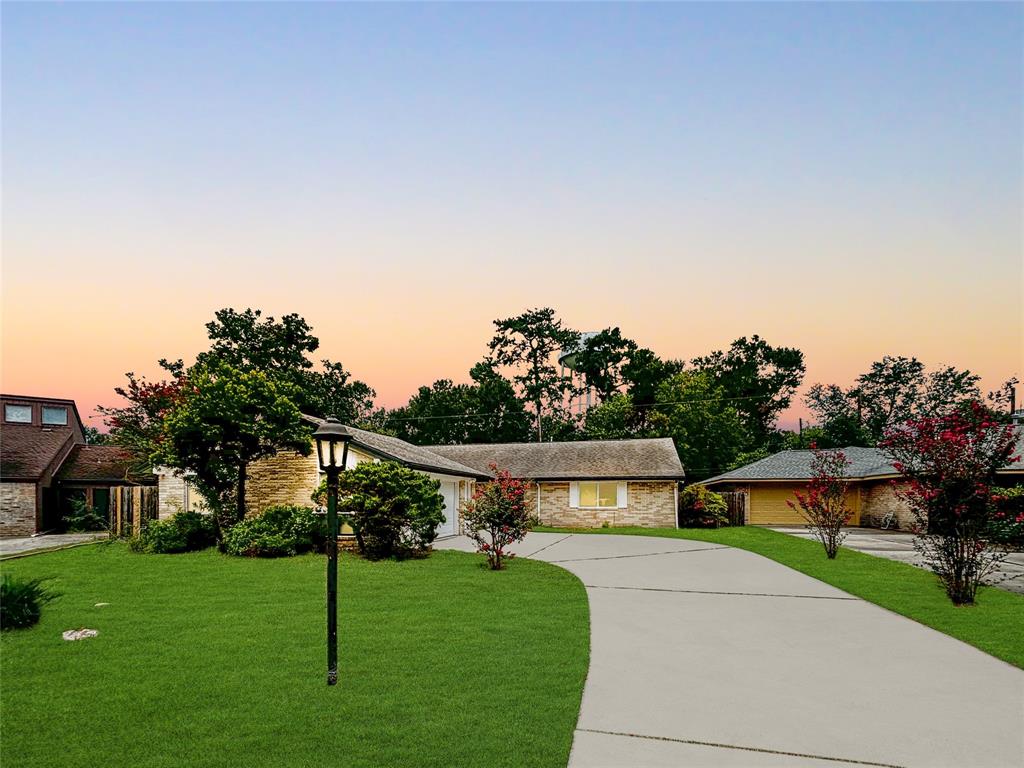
(129, 506)
(738, 506)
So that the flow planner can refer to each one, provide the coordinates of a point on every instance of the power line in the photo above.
(637, 405)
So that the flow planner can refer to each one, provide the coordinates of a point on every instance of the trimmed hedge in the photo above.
(181, 532)
(280, 531)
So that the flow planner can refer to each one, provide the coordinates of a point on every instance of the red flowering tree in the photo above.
(496, 517)
(949, 465)
(824, 505)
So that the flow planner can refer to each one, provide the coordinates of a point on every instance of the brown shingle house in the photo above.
(588, 483)
(44, 462)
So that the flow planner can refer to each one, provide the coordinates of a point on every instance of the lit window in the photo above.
(52, 415)
(18, 414)
(599, 494)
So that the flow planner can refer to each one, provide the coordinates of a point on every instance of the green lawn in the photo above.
(204, 659)
(995, 624)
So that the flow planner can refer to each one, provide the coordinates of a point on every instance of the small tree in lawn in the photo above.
(949, 465)
(496, 517)
(824, 505)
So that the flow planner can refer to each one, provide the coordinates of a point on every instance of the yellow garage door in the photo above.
(768, 504)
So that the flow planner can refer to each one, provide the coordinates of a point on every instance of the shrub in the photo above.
(181, 532)
(22, 601)
(824, 505)
(496, 517)
(83, 518)
(1007, 524)
(393, 510)
(281, 531)
(702, 508)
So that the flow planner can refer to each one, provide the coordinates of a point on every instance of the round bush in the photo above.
(701, 508)
(181, 532)
(255, 537)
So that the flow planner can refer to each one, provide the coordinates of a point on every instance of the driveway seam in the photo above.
(764, 750)
(713, 592)
(623, 557)
(546, 546)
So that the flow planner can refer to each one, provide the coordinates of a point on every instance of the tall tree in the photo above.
(761, 380)
(707, 428)
(486, 411)
(223, 420)
(643, 372)
(248, 341)
(600, 359)
(528, 344)
(893, 391)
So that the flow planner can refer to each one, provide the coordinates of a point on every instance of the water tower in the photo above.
(567, 360)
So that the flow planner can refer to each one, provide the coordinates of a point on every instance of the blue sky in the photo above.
(841, 177)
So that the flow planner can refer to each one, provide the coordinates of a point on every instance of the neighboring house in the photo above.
(588, 483)
(622, 482)
(44, 462)
(771, 482)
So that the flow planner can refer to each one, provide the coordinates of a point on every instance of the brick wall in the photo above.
(17, 509)
(648, 504)
(285, 478)
(171, 494)
(877, 500)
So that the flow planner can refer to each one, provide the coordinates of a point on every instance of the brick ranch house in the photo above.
(771, 482)
(45, 464)
(621, 482)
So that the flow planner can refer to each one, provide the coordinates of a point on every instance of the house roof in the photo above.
(413, 456)
(643, 459)
(796, 465)
(28, 452)
(103, 463)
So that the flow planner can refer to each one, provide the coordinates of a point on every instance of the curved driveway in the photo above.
(705, 655)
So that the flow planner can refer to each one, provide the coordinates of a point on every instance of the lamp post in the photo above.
(332, 441)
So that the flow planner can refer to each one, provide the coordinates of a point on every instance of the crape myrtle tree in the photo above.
(528, 344)
(222, 420)
(949, 466)
(823, 506)
(760, 380)
(497, 516)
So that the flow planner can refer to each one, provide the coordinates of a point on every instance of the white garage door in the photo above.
(449, 492)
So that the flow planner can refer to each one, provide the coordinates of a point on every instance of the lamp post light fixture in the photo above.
(332, 439)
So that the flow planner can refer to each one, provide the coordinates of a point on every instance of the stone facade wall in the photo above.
(877, 499)
(648, 504)
(285, 478)
(17, 509)
(170, 494)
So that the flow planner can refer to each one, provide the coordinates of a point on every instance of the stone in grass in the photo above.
(80, 634)
(101, 605)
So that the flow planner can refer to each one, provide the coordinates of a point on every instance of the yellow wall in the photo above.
(768, 504)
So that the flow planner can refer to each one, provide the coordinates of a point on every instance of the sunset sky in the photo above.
(843, 178)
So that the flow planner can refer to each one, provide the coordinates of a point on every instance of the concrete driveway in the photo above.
(704, 655)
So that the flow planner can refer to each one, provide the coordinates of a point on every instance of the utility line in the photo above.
(636, 405)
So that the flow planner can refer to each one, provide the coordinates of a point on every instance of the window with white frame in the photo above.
(18, 414)
(54, 415)
(598, 494)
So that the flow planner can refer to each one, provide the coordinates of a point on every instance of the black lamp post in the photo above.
(332, 441)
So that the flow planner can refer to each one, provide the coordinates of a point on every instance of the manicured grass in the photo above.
(204, 659)
(995, 624)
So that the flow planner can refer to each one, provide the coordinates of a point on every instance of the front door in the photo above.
(449, 492)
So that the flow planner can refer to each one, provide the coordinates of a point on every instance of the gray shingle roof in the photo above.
(413, 456)
(654, 459)
(796, 465)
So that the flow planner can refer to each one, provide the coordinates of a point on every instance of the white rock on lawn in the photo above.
(80, 634)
